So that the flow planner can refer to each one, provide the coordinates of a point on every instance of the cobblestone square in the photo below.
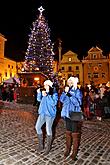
(18, 140)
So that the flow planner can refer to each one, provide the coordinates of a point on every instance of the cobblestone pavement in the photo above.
(18, 140)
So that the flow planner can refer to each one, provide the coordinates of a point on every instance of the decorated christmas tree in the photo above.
(39, 55)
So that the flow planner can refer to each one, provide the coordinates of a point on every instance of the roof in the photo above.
(70, 53)
(3, 37)
(95, 49)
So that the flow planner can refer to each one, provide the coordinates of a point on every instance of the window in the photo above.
(103, 75)
(10, 74)
(99, 65)
(89, 75)
(77, 67)
(5, 73)
(95, 75)
(8, 66)
(94, 56)
(62, 68)
(12, 66)
(69, 59)
(69, 68)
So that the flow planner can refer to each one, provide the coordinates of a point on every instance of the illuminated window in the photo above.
(36, 78)
(69, 59)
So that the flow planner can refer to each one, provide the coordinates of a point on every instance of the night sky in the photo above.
(79, 24)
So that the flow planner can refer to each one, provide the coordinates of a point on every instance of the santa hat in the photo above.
(48, 82)
(73, 79)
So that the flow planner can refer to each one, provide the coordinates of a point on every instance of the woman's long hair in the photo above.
(51, 90)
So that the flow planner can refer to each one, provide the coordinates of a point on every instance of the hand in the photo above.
(44, 93)
(66, 89)
(38, 90)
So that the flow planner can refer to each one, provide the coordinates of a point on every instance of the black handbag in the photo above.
(76, 116)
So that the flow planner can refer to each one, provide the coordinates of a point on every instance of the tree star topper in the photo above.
(41, 9)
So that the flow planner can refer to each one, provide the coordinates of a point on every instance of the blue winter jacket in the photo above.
(48, 104)
(71, 101)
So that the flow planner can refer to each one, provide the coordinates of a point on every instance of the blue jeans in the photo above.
(44, 119)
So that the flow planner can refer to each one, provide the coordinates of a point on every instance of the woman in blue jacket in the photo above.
(48, 99)
(71, 99)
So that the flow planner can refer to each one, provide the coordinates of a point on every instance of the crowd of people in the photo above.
(74, 104)
(96, 102)
(8, 92)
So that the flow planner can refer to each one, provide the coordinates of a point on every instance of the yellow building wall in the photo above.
(95, 67)
(7, 66)
(70, 59)
(2, 47)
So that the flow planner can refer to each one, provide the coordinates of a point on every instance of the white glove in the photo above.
(38, 90)
(66, 89)
(44, 93)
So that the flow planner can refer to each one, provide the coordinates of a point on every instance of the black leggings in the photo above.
(73, 126)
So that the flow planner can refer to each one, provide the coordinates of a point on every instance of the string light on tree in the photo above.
(39, 53)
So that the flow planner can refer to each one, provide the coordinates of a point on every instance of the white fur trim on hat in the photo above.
(48, 82)
(73, 79)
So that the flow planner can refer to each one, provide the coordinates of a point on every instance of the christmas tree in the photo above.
(39, 54)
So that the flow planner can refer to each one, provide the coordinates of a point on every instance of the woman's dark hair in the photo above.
(51, 90)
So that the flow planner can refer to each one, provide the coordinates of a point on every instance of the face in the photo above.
(46, 87)
(70, 83)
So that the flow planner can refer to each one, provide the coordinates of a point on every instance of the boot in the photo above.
(48, 145)
(40, 142)
(76, 142)
(68, 143)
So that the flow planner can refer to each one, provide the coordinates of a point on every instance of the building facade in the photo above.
(96, 67)
(7, 66)
(70, 65)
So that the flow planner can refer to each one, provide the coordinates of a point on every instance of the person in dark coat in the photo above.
(98, 107)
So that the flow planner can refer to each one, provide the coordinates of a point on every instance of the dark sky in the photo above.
(79, 24)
